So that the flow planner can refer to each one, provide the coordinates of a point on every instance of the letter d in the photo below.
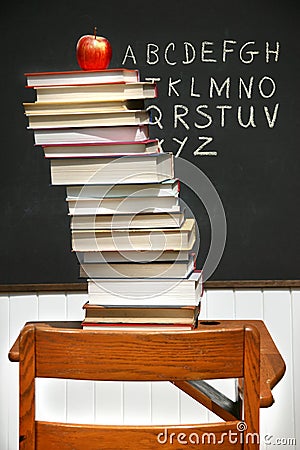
(164, 435)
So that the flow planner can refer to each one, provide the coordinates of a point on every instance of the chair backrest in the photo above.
(205, 353)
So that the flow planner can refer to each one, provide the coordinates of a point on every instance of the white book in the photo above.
(132, 256)
(88, 106)
(101, 149)
(169, 269)
(159, 239)
(124, 221)
(100, 92)
(91, 135)
(95, 119)
(150, 292)
(123, 205)
(98, 191)
(152, 168)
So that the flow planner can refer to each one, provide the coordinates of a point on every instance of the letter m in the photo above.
(214, 86)
(209, 438)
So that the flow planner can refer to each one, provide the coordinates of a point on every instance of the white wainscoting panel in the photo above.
(296, 360)
(161, 402)
(5, 385)
(278, 318)
(22, 308)
(109, 402)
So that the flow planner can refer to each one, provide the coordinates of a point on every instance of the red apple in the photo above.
(93, 52)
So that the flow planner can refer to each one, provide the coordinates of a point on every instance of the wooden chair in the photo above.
(63, 350)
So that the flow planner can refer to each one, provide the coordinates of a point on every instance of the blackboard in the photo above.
(228, 86)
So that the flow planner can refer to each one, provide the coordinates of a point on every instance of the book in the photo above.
(146, 292)
(100, 92)
(122, 221)
(143, 314)
(158, 239)
(90, 135)
(122, 205)
(141, 256)
(163, 189)
(82, 77)
(172, 269)
(90, 106)
(151, 168)
(95, 119)
(101, 149)
(135, 327)
(132, 239)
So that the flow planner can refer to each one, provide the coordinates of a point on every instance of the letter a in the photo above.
(129, 54)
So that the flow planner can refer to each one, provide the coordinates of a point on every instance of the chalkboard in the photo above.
(228, 104)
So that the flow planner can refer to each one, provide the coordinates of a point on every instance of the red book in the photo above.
(76, 77)
(136, 327)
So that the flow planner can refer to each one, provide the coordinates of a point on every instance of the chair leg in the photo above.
(27, 389)
(251, 388)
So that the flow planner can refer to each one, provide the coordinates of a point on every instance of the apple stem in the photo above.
(95, 32)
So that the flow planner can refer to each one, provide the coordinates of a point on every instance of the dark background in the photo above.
(256, 172)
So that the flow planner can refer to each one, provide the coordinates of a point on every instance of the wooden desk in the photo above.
(243, 350)
(272, 365)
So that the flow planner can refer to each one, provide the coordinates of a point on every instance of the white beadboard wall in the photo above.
(131, 402)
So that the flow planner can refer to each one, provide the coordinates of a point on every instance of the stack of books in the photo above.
(132, 238)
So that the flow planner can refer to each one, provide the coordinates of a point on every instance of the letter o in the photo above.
(260, 87)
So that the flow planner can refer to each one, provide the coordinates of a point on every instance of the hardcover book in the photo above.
(90, 135)
(76, 77)
(151, 168)
(172, 269)
(86, 119)
(151, 292)
(99, 92)
(158, 239)
(102, 149)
